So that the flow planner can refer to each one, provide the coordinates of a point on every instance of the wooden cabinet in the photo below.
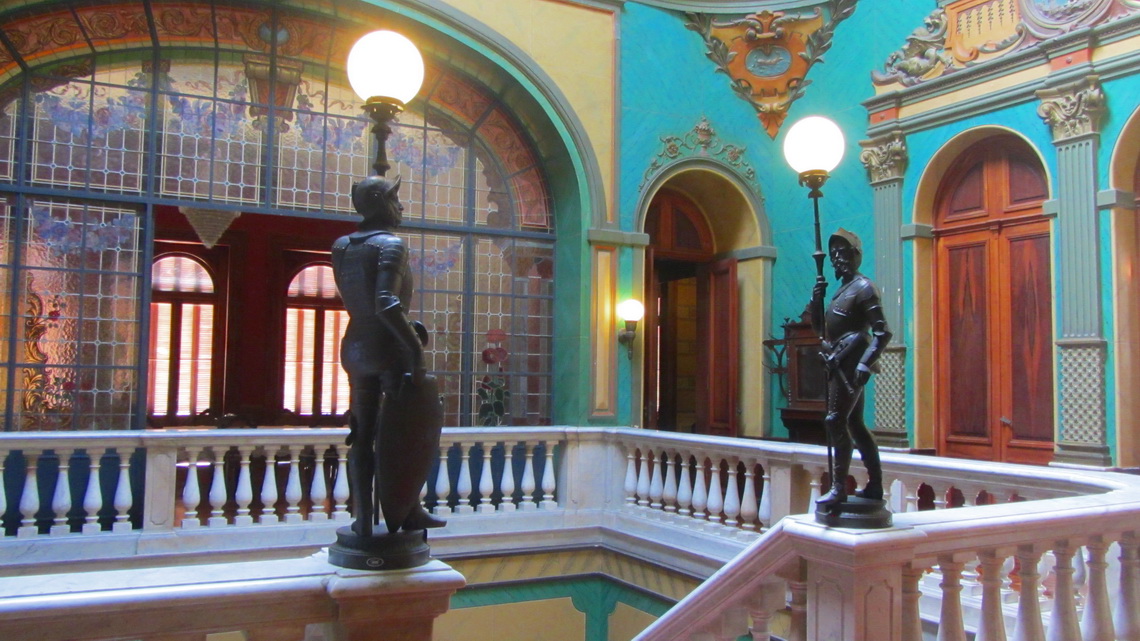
(803, 381)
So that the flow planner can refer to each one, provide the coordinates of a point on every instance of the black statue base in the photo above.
(397, 551)
(855, 512)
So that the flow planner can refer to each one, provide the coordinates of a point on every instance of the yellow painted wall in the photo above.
(576, 47)
(544, 620)
(627, 622)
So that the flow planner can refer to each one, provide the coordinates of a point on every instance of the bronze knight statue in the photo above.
(855, 333)
(395, 411)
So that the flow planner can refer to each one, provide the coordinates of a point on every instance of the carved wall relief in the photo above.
(768, 54)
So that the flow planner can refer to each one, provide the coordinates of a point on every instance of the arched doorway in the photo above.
(993, 306)
(691, 323)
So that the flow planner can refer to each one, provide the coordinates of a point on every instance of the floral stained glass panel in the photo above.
(8, 118)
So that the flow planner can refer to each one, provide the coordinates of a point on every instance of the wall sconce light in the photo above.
(386, 70)
(631, 311)
(813, 147)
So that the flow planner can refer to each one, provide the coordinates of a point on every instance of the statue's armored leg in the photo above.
(839, 407)
(869, 451)
(364, 406)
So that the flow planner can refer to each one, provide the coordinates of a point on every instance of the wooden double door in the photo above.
(994, 308)
(691, 373)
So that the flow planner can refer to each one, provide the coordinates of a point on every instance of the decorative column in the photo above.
(885, 158)
(1073, 111)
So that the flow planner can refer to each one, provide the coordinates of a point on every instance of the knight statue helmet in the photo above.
(375, 199)
(843, 239)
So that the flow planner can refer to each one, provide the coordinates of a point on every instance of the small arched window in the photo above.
(181, 363)
(314, 383)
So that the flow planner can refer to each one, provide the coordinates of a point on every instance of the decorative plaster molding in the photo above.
(922, 56)
(749, 253)
(890, 395)
(617, 237)
(768, 54)
(727, 6)
(1082, 392)
(885, 157)
(700, 141)
(1115, 198)
(916, 230)
(1073, 109)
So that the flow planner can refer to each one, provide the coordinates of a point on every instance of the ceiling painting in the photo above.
(768, 54)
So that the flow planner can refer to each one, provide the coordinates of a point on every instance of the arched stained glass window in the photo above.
(245, 108)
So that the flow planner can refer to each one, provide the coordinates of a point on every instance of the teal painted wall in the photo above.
(668, 85)
(594, 596)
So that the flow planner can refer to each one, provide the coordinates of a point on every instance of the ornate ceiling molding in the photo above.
(767, 54)
(885, 157)
(1074, 109)
(699, 142)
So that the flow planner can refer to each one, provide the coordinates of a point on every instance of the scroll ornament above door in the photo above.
(767, 55)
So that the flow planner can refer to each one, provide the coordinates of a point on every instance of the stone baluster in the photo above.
(814, 474)
(630, 486)
(30, 497)
(124, 498)
(507, 482)
(549, 485)
(442, 482)
(528, 484)
(731, 624)
(911, 496)
(269, 493)
(1126, 620)
(61, 500)
(463, 483)
(1063, 624)
(969, 496)
(643, 478)
(656, 482)
(797, 611)
(486, 482)
(991, 625)
(341, 491)
(191, 491)
(940, 493)
(950, 624)
(243, 493)
(749, 507)
(1096, 623)
(732, 495)
(768, 598)
(319, 489)
(684, 488)
(1028, 627)
(715, 503)
(3, 486)
(911, 596)
(700, 491)
(764, 512)
(218, 489)
(294, 492)
(669, 489)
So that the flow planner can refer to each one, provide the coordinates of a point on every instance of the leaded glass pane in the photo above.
(180, 274)
(444, 164)
(61, 120)
(8, 118)
(78, 317)
(320, 156)
(6, 258)
(211, 149)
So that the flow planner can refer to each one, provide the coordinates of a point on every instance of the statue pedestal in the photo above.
(855, 512)
(397, 605)
(396, 551)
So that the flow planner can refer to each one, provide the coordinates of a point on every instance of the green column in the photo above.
(1073, 111)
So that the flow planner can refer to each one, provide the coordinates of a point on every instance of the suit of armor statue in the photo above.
(854, 334)
(395, 413)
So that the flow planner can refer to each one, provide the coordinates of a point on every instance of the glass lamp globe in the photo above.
(385, 64)
(813, 144)
(630, 310)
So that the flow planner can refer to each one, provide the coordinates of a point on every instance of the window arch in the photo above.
(182, 340)
(314, 382)
(261, 121)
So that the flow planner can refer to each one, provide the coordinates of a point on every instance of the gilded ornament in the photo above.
(700, 141)
(884, 158)
(1072, 110)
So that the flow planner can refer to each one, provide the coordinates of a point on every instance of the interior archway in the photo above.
(1124, 178)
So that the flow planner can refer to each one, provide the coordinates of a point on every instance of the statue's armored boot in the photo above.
(874, 488)
(838, 492)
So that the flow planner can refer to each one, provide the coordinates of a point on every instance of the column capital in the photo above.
(1073, 109)
(885, 157)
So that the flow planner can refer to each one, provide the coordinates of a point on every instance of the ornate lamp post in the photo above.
(386, 70)
(814, 147)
